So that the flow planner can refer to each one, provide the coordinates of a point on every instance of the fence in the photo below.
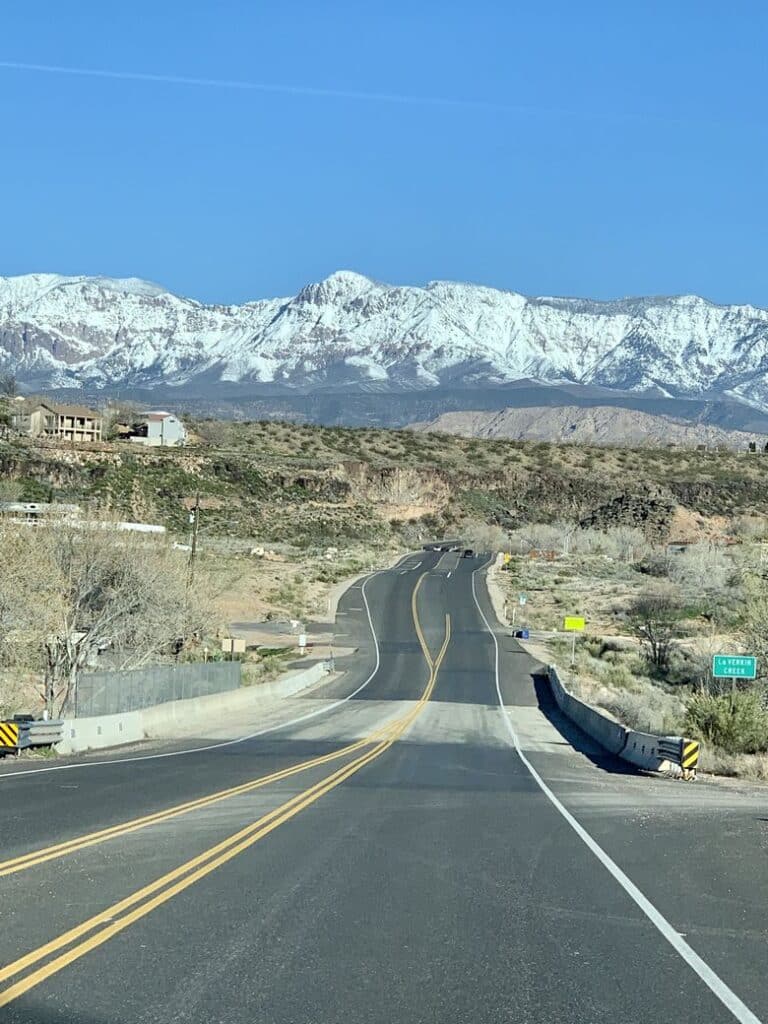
(112, 693)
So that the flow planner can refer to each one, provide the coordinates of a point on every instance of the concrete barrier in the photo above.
(104, 731)
(165, 720)
(168, 719)
(644, 750)
(609, 734)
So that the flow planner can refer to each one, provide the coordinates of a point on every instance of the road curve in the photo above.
(439, 846)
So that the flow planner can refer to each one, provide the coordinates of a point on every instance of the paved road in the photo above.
(413, 854)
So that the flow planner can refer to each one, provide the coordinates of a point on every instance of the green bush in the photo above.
(735, 722)
(618, 677)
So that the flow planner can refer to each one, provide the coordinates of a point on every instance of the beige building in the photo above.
(43, 418)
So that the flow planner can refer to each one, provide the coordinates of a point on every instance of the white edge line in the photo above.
(714, 983)
(226, 743)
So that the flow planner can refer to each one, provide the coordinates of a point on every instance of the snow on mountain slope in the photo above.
(350, 330)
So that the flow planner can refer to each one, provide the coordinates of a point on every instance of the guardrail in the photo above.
(677, 756)
(23, 731)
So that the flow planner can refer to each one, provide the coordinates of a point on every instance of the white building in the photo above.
(161, 429)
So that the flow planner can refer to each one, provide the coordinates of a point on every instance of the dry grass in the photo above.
(285, 583)
(611, 671)
(743, 766)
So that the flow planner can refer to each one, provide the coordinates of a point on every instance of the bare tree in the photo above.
(655, 616)
(565, 534)
(7, 391)
(539, 537)
(74, 591)
(629, 543)
(702, 570)
(484, 536)
(8, 385)
(117, 593)
(754, 622)
(28, 606)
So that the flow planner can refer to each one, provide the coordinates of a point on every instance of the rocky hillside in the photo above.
(591, 425)
(350, 331)
(314, 486)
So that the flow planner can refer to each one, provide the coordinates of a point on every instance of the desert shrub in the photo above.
(655, 563)
(617, 675)
(593, 645)
(736, 723)
(749, 527)
(648, 709)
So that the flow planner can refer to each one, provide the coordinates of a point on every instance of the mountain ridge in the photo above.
(590, 425)
(351, 331)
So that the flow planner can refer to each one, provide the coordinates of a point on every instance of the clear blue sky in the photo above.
(594, 148)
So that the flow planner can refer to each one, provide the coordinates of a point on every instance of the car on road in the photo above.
(468, 553)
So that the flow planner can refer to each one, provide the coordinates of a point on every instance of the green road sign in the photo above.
(734, 666)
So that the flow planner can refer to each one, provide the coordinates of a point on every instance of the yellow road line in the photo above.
(35, 857)
(187, 874)
(417, 623)
(199, 866)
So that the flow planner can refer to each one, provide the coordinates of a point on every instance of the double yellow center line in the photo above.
(77, 941)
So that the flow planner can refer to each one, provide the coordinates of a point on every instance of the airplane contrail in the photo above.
(448, 102)
(268, 87)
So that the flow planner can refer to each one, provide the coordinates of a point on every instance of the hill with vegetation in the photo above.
(313, 485)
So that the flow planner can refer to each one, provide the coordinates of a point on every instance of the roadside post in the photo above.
(573, 624)
(302, 643)
(733, 667)
(521, 600)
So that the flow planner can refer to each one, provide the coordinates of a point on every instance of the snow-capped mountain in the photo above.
(350, 330)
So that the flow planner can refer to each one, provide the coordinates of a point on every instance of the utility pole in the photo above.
(194, 518)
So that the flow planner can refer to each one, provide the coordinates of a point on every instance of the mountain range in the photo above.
(593, 425)
(351, 334)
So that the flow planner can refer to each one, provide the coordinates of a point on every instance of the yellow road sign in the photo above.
(574, 623)
(507, 557)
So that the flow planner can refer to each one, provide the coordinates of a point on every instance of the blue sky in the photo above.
(551, 148)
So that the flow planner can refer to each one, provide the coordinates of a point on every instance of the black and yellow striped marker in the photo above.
(9, 734)
(689, 755)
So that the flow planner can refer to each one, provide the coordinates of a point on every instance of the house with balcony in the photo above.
(41, 417)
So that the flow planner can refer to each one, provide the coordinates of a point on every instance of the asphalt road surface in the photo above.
(437, 846)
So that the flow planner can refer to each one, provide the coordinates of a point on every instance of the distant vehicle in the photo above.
(468, 553)
(522, 634)
(444, 547)
(455, 548)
